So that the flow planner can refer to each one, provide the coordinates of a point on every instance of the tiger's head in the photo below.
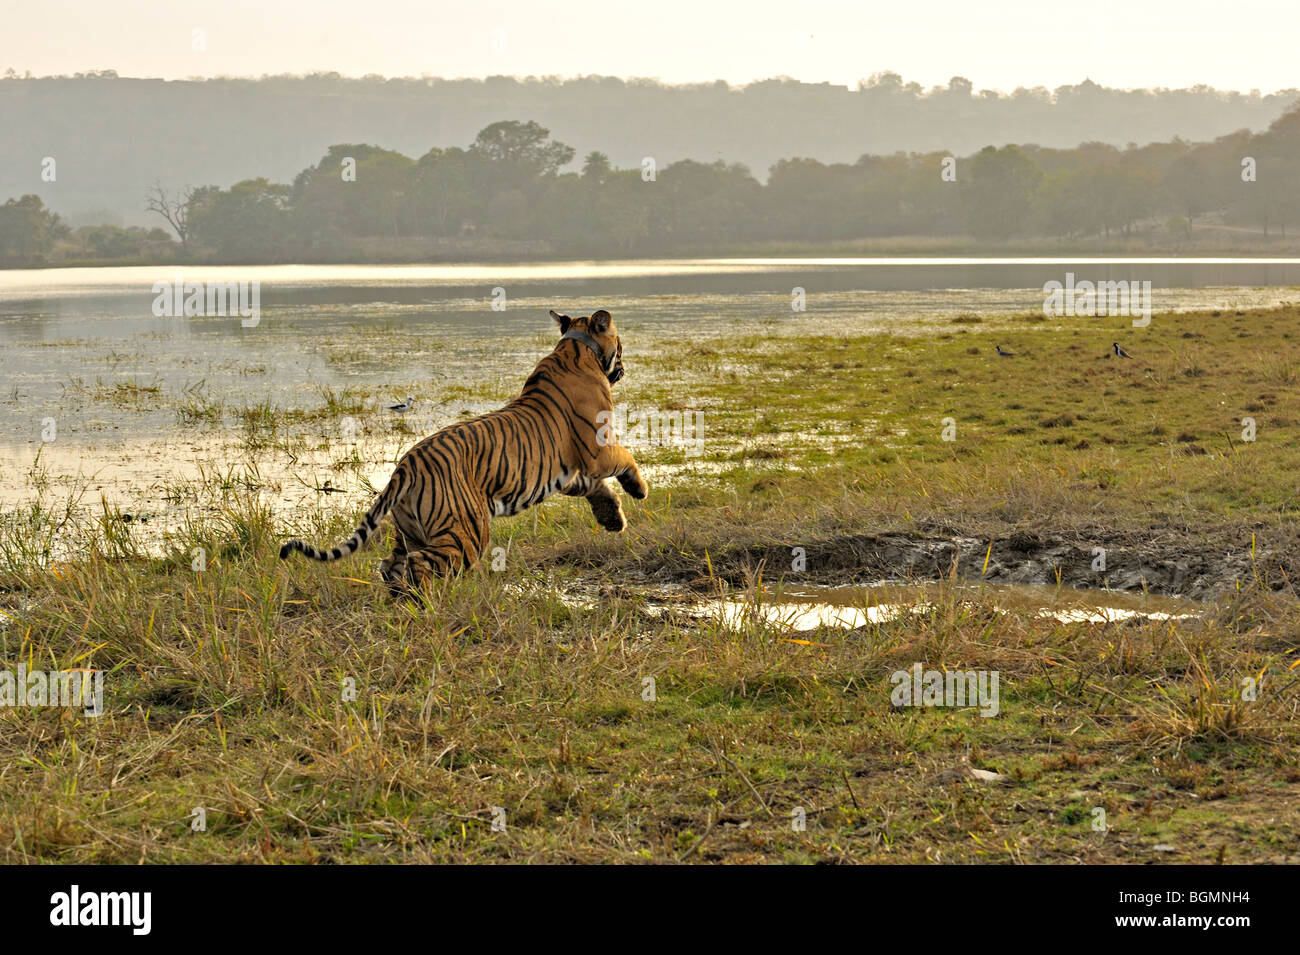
(598, 333)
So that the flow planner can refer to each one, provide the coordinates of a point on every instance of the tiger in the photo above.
(555, 438)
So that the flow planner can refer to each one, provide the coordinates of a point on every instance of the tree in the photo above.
(175, 210)
(356, 189)
(27, 228)
(1197, 182)
(1000, 191)
(526, 146)
(596, 167)
(110, 241)
(442, 199)
(806, 199)
(250, 221)
(1061, 206)
(960, 86)
(1273, 198)
(705, 202)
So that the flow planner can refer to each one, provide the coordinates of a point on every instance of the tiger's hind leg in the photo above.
(443, 531)
(393, 568)
(605, 505)
(449, 552)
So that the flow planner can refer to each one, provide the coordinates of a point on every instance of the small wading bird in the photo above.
(404, 407)
(1004, 353)
(1119, 352)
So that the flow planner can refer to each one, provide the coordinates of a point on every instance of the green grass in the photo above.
(1060, 434)
(523, 689)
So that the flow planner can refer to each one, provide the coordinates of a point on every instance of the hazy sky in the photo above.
(1230, 44)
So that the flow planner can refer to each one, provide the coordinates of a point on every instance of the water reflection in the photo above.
(849, 607)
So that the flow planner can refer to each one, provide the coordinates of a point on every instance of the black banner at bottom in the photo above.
(335, 904)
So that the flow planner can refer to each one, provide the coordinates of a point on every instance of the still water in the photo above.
(83, 351)
(61, 326)
(114, 303)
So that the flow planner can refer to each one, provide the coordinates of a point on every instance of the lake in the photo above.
(84, 349)
(109, 311)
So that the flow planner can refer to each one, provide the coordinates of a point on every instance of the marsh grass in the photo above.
(226, 692)
(346, 401)
(198, 408)
(229, 673)
(129, 393)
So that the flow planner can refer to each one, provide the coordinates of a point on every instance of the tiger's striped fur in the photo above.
(549, 440)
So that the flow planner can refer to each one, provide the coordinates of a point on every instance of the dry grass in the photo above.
(228, 688)
(226, 691)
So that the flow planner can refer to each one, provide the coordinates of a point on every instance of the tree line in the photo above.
(113, 136)
(509, 187)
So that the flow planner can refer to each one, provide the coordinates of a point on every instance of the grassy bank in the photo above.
(584, 691)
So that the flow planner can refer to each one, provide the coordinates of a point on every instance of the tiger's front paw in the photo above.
(608, 513)
(634, 484)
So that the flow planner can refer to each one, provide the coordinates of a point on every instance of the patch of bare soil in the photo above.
(1173, 562)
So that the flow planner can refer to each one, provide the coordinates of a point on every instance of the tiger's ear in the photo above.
(599, 322)
(562, 320)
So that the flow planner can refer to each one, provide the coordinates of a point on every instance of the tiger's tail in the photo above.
(388, 497)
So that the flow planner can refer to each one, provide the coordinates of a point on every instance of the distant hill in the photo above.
(113, 137)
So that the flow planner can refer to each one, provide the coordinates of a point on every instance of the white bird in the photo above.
(404, 407)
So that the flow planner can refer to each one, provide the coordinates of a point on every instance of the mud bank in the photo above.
(1182, 563)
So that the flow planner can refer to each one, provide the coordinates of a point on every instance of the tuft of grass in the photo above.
(199, 410)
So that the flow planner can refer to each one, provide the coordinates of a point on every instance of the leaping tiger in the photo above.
(551, 439)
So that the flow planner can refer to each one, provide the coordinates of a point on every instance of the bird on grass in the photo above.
(1004, 353)
(404, 407)
(1119, 352)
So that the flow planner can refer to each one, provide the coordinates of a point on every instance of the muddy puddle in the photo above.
(810, 608)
